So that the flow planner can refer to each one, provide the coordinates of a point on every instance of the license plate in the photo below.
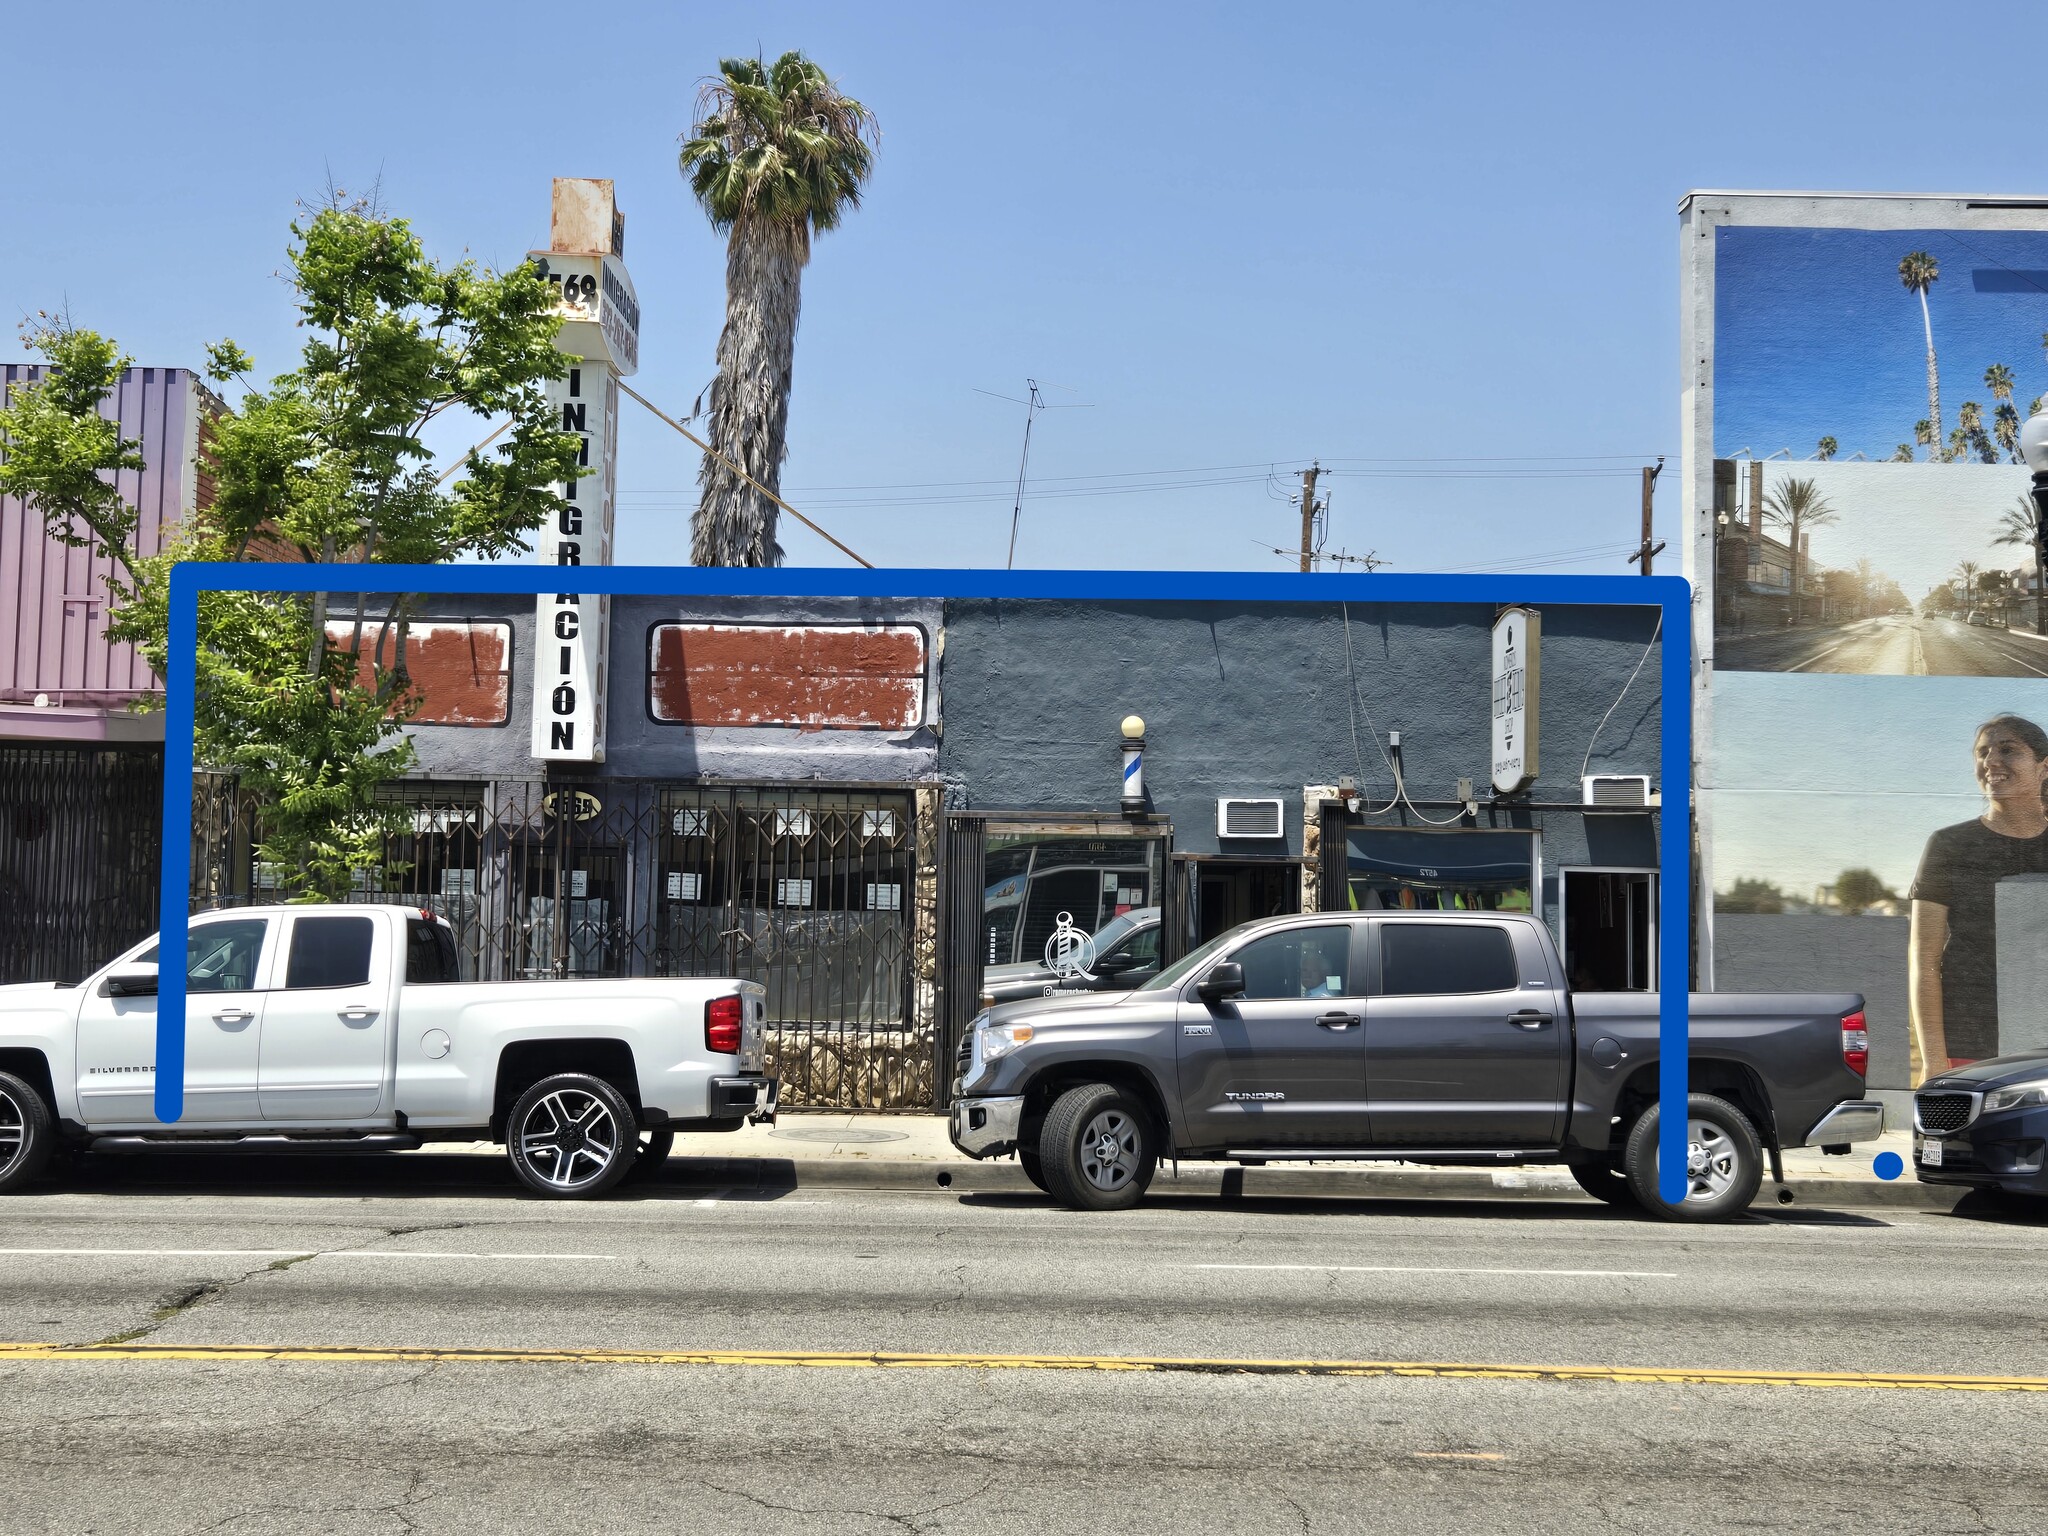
(1930, 1154)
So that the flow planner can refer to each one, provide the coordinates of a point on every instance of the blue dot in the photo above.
(1889, 1165)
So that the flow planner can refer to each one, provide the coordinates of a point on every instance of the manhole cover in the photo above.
(849, 1133)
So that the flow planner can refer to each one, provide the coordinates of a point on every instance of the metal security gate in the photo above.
(810, 893)
(963, 856)
(79, 832)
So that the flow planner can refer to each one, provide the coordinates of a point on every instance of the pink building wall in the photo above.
(53, 599)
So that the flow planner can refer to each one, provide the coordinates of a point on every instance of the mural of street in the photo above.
(1905, 645)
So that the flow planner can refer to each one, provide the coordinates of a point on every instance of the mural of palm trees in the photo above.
(1971, 435)
(1826, 449)
(2021, 525)
(1966, 581)
(1919, 272)
(1797, 506)
(777, 155)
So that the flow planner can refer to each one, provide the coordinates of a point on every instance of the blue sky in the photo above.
(1435, 248)
(1815, 334)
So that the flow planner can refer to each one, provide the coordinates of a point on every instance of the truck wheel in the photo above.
(27, 1134)
(572, 1136)
(1095, 1149)
(655, 1147)
(1604, 1181)
(1724, 1162)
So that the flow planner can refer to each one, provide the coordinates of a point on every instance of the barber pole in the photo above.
(601, 339)
(1134, 766)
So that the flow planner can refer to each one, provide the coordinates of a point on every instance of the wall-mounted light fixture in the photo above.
(1134, 765)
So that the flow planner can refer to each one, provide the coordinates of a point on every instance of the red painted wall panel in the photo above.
(814, 676)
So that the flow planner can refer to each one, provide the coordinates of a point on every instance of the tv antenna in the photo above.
(1032, 406)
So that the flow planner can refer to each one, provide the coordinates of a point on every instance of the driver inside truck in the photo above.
(1317, 978)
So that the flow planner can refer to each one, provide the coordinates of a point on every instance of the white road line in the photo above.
(1396, 1269)
(1818, 656)
(272, 1253)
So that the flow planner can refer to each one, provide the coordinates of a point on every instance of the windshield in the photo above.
(1117, 929)
(1186, 965)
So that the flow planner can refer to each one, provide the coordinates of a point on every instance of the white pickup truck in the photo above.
(350, 1029)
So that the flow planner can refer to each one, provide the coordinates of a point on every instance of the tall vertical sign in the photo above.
(601, 341)
(1517, 673)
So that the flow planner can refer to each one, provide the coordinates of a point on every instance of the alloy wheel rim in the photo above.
(13, 1133)
(569, 1138)
(1109, 1150)
(1712, 1161)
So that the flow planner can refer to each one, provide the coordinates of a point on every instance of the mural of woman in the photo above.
(1953, 960)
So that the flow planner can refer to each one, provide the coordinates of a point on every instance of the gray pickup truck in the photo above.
(1423, 1038)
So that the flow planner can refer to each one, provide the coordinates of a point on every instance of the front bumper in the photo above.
(1850, 1120)
(751, 1098)
(2006, 1150)
(987, 1127)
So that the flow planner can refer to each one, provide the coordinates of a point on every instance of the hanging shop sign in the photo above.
(600, 340)
(1517, 652)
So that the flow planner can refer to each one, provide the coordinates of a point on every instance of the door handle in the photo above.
(357, 1011)
(1529, 1018)
(233, 1016)
(1337, 1020)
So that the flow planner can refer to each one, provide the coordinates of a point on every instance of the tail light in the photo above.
(1855, 1044)
(722, 1025)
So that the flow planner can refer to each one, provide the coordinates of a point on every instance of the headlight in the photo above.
(998, 1040)
(2018, 1096)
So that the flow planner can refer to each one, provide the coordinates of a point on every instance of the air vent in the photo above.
(1250, 818)
(1631, 790)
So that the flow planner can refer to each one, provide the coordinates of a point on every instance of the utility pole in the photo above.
(1308, 514)
(1648, 550)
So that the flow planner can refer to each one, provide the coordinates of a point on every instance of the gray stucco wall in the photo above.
(1818, 952)
(1260, 699)
(638, 746)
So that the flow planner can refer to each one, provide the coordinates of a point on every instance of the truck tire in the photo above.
(1034, 1170)
(655, 1147)
(572, 1136)
(1604, 1181)
(1096, 1149)
(1724, 1165)
(28, 1134)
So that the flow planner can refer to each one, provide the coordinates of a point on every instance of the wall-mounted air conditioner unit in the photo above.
(1619, 791)
(1250, 818)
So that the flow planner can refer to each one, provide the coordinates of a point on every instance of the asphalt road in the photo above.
(1903, 645)
(200, 1439)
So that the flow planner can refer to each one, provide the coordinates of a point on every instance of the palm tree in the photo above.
(1826, 449)
(1998, 379)
(776, 156)
(2021, 525)
(1919, 272)
(1923, 434)
(1797, 506)
(2005, 427)
(1903, 454)
(1966, 579)
(1970, 432)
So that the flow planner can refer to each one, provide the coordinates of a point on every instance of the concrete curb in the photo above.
(1003, 1176)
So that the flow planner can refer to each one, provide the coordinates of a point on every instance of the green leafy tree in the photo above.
(777, 156)
(2021, 525)
(1798, 507)
(325, 464)
(1751, 896)
(1919, 272)
(1858, 890)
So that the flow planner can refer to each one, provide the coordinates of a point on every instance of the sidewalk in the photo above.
(911, 1152)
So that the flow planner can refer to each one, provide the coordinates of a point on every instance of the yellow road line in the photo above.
(832, 1359)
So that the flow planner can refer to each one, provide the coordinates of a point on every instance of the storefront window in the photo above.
(1401, 869)
(1032, 877)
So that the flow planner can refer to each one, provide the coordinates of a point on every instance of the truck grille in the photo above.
(965, 1056)
(1940, 1113)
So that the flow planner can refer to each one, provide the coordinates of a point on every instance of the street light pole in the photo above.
(2034, 449)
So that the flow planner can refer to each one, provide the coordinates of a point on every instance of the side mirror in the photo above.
(1224, 980)
(1116, 965)
(138, 980)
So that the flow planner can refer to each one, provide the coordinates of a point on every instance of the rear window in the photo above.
(430, 954)
(1432, 959)
(329, 952)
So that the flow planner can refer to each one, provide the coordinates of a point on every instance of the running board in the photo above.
(375, 1141)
